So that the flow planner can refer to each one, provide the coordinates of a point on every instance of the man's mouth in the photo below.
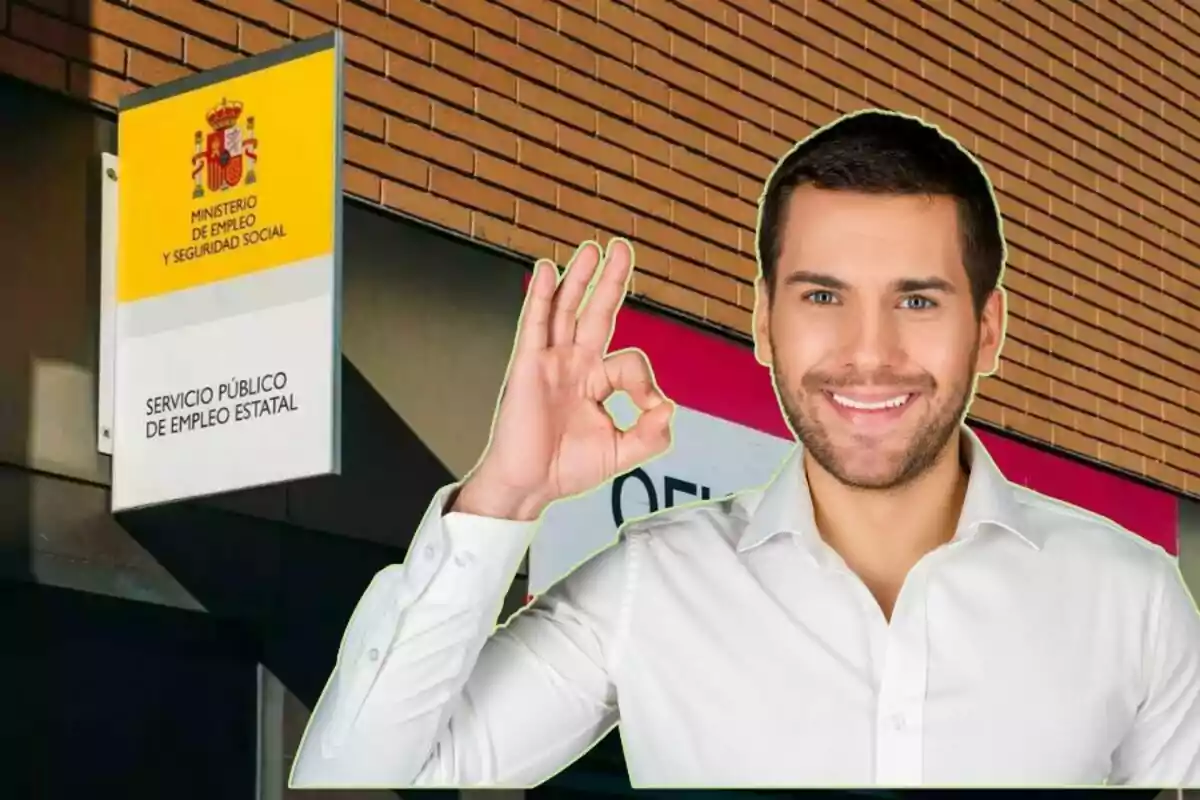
(871, 412)
(872, 403)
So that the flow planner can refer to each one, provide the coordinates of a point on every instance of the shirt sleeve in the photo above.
(427, 692)
(1163, 748)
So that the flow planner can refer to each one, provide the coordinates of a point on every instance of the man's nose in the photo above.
(872, 340)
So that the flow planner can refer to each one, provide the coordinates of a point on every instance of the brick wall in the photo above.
(533, 124)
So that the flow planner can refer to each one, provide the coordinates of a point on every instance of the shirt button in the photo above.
(430, 551)
(464, 559)
(898, 722)
(373, 654)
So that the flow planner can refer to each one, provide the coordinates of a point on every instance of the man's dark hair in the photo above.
(881, 152)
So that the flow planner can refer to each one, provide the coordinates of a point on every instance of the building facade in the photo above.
(483, 134)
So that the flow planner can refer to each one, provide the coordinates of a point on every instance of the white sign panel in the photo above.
(227, 286)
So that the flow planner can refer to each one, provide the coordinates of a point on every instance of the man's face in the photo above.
(871, 334)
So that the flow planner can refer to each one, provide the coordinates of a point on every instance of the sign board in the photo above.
(228, 278)
(730, 435)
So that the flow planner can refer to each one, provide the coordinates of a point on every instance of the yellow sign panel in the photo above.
(229, 178)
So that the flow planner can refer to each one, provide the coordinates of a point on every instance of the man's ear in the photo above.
(762, 322)
(993, 324)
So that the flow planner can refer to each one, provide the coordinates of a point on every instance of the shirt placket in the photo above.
(899, 729)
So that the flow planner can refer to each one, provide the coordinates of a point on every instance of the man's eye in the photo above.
(918, 303)
(821, 297)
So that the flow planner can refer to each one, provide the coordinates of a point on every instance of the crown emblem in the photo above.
(224, 115)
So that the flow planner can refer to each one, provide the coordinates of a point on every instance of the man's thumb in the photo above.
(648, 438)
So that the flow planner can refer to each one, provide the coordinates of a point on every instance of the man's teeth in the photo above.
(894, 402)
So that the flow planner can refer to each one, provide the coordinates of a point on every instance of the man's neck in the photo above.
(882, 534)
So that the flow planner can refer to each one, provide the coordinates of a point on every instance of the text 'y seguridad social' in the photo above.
(224, 227)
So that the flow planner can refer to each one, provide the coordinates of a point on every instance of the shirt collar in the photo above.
(785, 503)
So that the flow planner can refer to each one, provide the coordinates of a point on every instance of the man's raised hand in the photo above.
(552, 437)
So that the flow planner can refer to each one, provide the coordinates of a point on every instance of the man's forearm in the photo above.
(408, 651)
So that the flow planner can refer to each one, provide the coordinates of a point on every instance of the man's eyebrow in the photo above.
(816, 279)
(910, 285)
(903, 286)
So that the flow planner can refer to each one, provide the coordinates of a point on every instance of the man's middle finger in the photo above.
(579, 272)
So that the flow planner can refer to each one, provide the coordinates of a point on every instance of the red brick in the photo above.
(668, 127)
(522, 182)
(268, 13)
(364, 119)
(432, 145)
(123, 24)
(203, 55)
(660, 67)
(324, 10)
(386, 161)
(434, 21)
(306, 26)
(737, 265)
(593, 32)
(613, 102)
(474, 130)
(670, 238)
(625, 21)
(361, 183)
(97, 86)
(537, 10)
(553, 223)
(648, 87)
(740, 158)
(678, 19)
(556, 165)
(255, 39)
(602, 212)
(517, 58)
(704, 280)
(109, 54)
(671, 295)
(511, 237)
(430, 80)
(392, 33)
(462, 189)
(474, 71)
(651, 260)
(595, 151)
(545, 40)
(49, 33)
(640, 139)
(150, 70)
(642, 198)
(727, 315)
(425, 206)
(549, 102)
(218, 25)
(59, 8)
(509, 114)
(365, 53)
(742, 51)
(31, 64)
(381, 92)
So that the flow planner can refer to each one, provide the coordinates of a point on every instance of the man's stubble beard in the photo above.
(923, 451)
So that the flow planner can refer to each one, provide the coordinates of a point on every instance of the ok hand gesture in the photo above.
(552, 437)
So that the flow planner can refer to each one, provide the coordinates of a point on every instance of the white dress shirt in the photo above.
(1042, 646)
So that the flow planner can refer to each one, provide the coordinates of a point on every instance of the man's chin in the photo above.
(868, 476)
(873, 465)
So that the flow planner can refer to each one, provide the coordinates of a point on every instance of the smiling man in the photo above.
(888, 610)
